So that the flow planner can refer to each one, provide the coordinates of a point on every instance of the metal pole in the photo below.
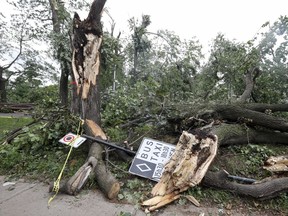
(238, 178)
(109, 144)
(242, 179)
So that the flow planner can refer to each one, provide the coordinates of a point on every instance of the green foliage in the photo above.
(138, 49)
(27, 92)
(222, 77)
(272, 85)
(112, 61)
(174, 64)
(29, 152)
(125, 214)
(116, 134)
(252, 159)
(135, 190)
(129, 103)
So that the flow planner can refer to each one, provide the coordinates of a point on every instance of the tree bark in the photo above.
(236, 134)
(87, 38)
(261, 190)
(65, 67)
(250, 78)
(235, 114)
(260, 107)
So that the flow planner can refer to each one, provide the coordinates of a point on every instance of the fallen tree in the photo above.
(238, 123)
(233, 124)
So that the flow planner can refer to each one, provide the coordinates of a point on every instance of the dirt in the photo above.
(31, 199)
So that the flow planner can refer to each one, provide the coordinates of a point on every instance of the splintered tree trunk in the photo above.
(186, 168)
(87, 38)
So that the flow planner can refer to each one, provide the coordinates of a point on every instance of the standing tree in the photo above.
(5, 74)
(87, 39)
(140, 46)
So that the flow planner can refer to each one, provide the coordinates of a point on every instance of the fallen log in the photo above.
(262, 190)
(17, 106)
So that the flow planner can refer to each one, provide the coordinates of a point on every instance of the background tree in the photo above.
(222, 77)
(272, 85)
(47, 21)
(7, 49)
(139, 47)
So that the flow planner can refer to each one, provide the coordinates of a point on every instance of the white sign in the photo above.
(151, 158)
(72, 139)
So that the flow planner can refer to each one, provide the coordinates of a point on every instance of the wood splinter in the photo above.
(186, 168)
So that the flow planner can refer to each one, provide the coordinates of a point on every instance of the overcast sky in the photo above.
(237, 19)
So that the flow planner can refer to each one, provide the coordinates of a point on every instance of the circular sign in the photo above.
(68, 138)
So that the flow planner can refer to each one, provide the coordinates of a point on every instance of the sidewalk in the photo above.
(30, 199)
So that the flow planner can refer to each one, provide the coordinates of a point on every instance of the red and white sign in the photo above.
(72, 139)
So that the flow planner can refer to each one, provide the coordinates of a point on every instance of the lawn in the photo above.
(9, 123)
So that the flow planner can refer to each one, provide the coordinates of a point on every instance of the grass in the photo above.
(10, 123)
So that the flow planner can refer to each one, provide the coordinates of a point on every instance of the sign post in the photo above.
(151, 158)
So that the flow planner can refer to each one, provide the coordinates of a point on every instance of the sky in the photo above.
(237, 19)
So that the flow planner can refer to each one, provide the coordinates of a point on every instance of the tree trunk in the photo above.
(87, 38)
(3, 92)
(237, 114)
(63, 89)
(57, 8)
(260, 190)
(250, 77)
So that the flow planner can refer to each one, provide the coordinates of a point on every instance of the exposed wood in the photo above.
(78, 180)
(87, 39)
(277, 163)
(164, 201)
(186, 168)
(240, 124)
(192, 200)
(95, 129)
(188, 165)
